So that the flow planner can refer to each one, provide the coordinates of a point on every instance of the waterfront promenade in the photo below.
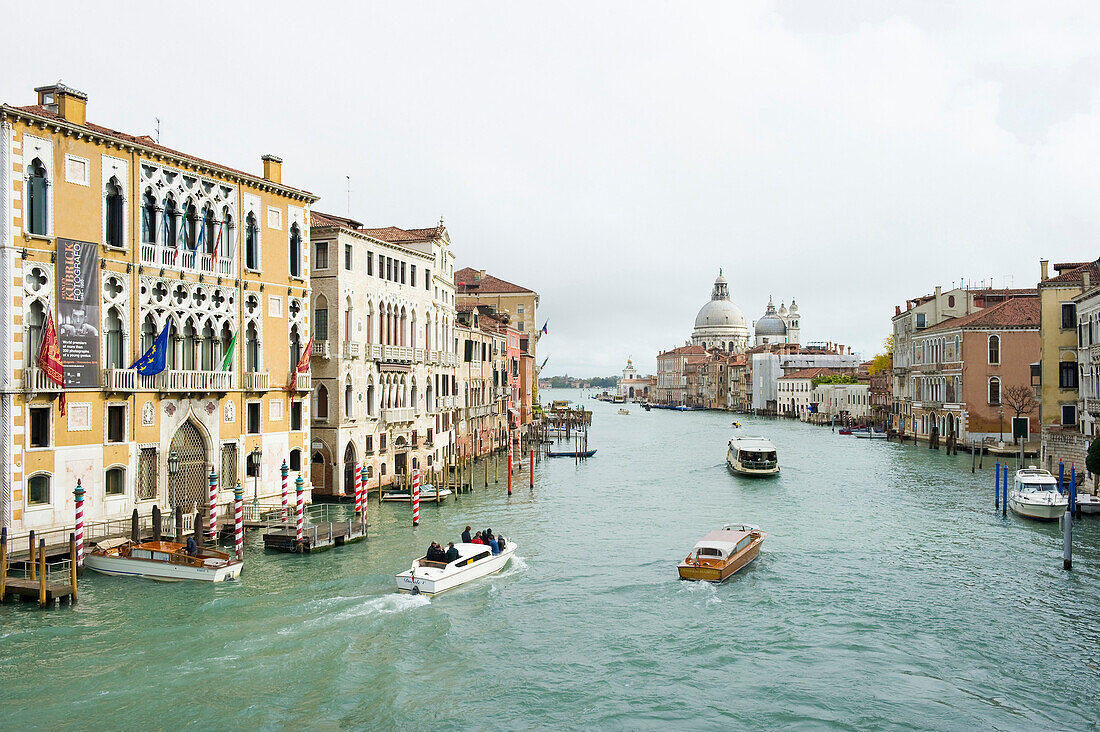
(889, 594)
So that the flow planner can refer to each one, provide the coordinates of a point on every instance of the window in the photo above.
(381, 266)
(950, 301)
(348, 399)
(252, 348)
(116, 423)
(921, 320)
(149, 217)
(1069, 315)
(251, 242)
(320, 406)
(427, 279)
(147, 474)
(994, 390)
(369, 445)
(115, 482)
(402, 273)
(36, 198)
(295, 251)
(170, 222)
(253, 418)
(381, 443)
(38, 490)
(40, 426)
(1067, 375)
(347, 257)
(229, 464)
(295, 460)
(296, 415)
(113, 327)
(320, 255)
(412, 275)
(1069, 414)
(994, 350)
(320, 322)
(370, 264)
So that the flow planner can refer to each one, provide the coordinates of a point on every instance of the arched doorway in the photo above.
(349, 469)
(400, 455)
(317, 473)
(632, 392)
(190, 484)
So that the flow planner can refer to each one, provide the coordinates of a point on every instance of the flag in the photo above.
(49, 359)
(301, 368)
(544, 331)
(544, 363)
(201, 238)
(227, 361)
(217, 251)
(155, 359)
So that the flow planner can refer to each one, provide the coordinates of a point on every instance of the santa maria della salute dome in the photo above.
(721, 324)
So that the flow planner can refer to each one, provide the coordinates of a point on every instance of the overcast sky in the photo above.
(612, 156)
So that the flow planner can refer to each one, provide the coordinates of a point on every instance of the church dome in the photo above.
(717, 313)
(720, 323)
(771, 324)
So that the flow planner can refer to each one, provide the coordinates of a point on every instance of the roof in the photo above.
(813, 373)
(466, 283)
(149, 143)
(396, 235)
(1018, 312)
(1074, 276)
(684, 351)
(316, 218)
(751, 443)
(723, 539)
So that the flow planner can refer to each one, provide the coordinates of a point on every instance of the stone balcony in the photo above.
(398, 414)
(351, 349)
(188, 381)
(321, 349)
(256, 381)
(303, 382)
(185, 260)
(397, 354)
(35, 381)
(120, 379)
(1092, 406)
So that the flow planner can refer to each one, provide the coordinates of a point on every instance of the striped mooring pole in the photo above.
(285, 470)
(510, 467)
(299, 490)
(531, 468)
(358, 490)
(79, 493)
(416, 497)
(363, 481)
(238, 520)
(212, 529)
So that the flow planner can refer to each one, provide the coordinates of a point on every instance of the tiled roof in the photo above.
(148, 142)
(395, 235)
(1074, 276)
(466, 284)
(684, 351)
(812, 373)
(1018, 312)
(316, 218)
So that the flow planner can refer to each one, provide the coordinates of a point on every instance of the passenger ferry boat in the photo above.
(1035, 495)
(721, 554)
(167, 561)
(752, 456)
(474, 561)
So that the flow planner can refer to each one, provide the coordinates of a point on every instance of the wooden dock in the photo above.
(42, 580)
(315, 537)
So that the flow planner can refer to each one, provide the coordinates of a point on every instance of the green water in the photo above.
(888, 595)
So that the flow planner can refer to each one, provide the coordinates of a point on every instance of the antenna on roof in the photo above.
(158, 129)
(349, 195)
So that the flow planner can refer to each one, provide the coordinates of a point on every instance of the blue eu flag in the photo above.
(155, 359)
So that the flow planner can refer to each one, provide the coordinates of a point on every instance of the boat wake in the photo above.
(516, 566)
(705, 591)
(384, 605)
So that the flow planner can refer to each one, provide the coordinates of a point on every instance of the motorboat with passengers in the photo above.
(431, 577)
(752, 456)
(721, 554)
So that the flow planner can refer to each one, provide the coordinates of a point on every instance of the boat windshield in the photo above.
(1036, 487)
(709, 551)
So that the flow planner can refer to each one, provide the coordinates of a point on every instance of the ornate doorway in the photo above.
(190, 484)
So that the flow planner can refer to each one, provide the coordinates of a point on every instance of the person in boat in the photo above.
(192, 546)
(477, 539)
(436, 553)
(494, 546)
(500, 542)
(452, 553)
(466, 539)
(487, 535)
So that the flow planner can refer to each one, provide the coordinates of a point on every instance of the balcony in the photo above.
(1094, 353)
(35, 380)
(120, 379)
(435, 357)
(188, 381)
(400, 414)
(399, 354)
(184, 260)
(351, 349)
(420, 355)
(303, 382)
(448, 359)
(1092, 406)
(256, 380)
(321, 349)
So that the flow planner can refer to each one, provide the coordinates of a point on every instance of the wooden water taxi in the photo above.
(427, 577)
(167, 561)
(721, 554)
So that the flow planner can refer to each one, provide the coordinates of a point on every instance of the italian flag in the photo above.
(227, 361)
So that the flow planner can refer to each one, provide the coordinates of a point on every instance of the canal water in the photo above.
(888, 595)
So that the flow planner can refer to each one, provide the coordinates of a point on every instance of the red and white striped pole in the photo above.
(358, 490)
(79, 531)
(510, 459)
(416, 497)
(285, 471)
(531, 468)
(299, 489)
(212, 529)
(238, 520)
(363, 501)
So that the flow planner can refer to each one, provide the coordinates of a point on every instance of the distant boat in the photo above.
(428, 577)
(624, 411)
(754, 456)
(845, 431)
(427, 493)
(571, 453)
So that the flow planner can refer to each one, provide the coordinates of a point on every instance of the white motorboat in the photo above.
(752, 456)
(427, 493)
(869, 434)
(474, 561)
(167, 561)
(1035, 495)
(1087, 502)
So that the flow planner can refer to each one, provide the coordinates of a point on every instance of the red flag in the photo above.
(303, 362)
(49, 359)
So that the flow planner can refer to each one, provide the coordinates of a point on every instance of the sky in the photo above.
(614, 156)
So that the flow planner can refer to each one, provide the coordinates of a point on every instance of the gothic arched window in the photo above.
(113, 213)
(295, 251)
(36, 198)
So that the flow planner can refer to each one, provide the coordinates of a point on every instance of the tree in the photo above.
(883, 361)
(1020, 399)
(833, 379)
(1092, 462)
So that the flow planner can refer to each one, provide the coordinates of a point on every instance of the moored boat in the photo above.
(167, 561)
(427, 493)
(752, 456)
(427, 577)
(720, 554)
(1087, 502)
(624, 411)
(1035, 495)
(571, 453)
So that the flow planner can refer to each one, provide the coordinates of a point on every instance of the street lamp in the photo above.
(1001, 435)
(256, 455)
(173, 470)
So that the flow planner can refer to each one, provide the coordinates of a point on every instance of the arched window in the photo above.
(370, 398)
(225, 234)
(190, 226)
(115, 481)
(348, 397)
(148, 332)
(113, 326)
(252, 348)
(210, 234)
(295, 346)
(295, 251)
(173, 345)
(207, 346)
(226, 339)
(994, 390)
(320, 406)
(36, 322)
(994, 350)
(349, 319)
(295, 462)
(113, 212)
(37, 216)
(38, 489)
(171, 222)
(148, 217)
(251, 243)
(190, 338)
(320, 319)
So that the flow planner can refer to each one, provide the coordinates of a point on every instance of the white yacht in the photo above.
(474, 561)
(1035, 495)
(428, 493)
(752, 456)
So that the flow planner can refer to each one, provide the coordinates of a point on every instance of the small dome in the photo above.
(770, 325)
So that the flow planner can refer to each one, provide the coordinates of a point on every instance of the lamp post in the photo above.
(173, 470)
(257, 453)
(1001, 429)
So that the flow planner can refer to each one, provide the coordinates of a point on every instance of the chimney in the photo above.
(479, 275)
(1045, 264)
(70, 104)
(897, 310)
(1085, 279)
(273, 168)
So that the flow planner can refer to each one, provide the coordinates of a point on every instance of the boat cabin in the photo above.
(719, 546)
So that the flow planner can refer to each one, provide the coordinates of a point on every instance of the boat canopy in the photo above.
(724, 541)
(1035, 475)
(753, 444)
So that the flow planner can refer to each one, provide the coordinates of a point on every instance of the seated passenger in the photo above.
(452, 553)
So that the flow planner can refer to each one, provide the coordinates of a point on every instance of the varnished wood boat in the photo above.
(167, 561)
(721, 554)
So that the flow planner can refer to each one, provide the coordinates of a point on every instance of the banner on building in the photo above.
(78, 311)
